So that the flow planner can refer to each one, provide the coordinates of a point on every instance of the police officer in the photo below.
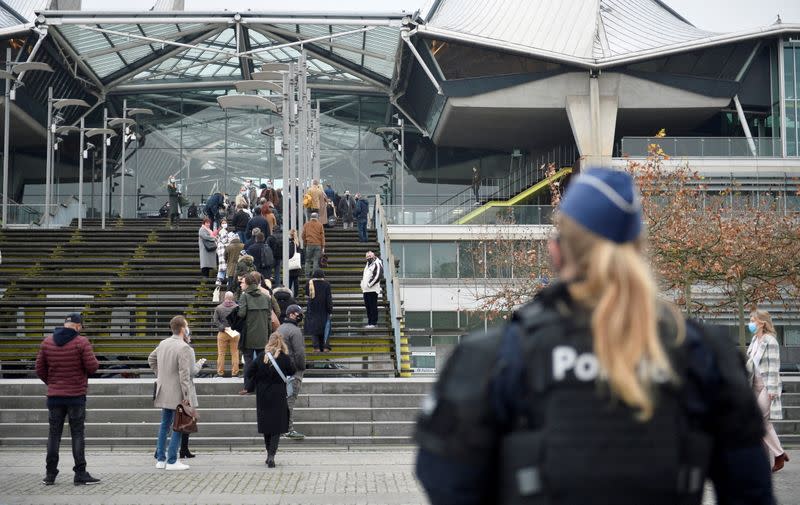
(596, 392)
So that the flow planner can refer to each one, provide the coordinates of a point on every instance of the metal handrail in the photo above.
(390, 275)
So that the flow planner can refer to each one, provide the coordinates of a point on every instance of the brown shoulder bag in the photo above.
(185, 418)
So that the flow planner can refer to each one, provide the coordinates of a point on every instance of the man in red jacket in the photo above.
(64, 363)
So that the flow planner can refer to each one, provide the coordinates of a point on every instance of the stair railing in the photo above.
(392, 282)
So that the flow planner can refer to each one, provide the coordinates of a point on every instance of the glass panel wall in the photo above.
(791, 90)
(466, 259)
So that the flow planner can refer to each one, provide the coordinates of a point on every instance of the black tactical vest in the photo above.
(572, 443)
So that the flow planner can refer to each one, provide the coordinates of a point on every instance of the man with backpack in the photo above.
(263, 255)
(371, 287)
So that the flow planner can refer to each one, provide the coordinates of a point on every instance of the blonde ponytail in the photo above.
(615, 283)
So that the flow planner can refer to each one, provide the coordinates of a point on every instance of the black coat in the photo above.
(259, 222)
(318, 308)
(240, 220)
(272, 411)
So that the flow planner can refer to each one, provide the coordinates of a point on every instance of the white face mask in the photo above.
(224, 226)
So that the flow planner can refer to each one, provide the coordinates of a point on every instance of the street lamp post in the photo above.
(127, 134)
(8, 75)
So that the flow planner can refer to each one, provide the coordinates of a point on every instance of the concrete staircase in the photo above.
(120, 413)
(130, 279)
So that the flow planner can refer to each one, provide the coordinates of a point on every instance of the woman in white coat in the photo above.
(764, 353)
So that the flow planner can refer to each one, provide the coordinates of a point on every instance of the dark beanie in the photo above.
(606, 202)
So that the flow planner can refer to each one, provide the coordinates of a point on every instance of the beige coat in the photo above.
(173, 363)
(319, 200)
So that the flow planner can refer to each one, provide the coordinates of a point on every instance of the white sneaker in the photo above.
(160, 465)
(177, 466)
(369, 326)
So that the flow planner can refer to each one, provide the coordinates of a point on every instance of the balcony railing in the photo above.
(722, 147)
(427, 215)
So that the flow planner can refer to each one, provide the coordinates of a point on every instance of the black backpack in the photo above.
(267, 257)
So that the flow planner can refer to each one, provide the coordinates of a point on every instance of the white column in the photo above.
(122, 176)
(593, 119)
(6, 124)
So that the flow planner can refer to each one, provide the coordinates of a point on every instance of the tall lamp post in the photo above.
(107, 134)
(127, 124)
(56, 104)
(8, 76)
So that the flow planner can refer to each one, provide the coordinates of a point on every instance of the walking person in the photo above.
(257, 222)
(64, 362)
(196, 367)
(226, 337)
(319, 309)
(207, 244)
(476, 184)
(240, 220)
(294, 273)
(264, 376)
(314, 242)
(232, 250)
(371, 287)
(262, 254)
(285, 299)
(346, 208)
(223, 240)
(215, 205)
(764, 353)
(361, 214)
(314, 202)
(293, 336)
(172, 362)
(598, 391)
(255, 307)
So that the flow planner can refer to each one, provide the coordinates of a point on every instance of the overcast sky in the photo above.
(714, 15)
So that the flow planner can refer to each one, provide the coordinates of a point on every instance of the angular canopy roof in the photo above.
(141, 48)
(589, 33)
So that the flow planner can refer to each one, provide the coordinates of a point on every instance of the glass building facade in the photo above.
(791, 93)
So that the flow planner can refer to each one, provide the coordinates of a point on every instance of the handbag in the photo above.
(323, 260)
(210, 245)
(295, 262)
(289, 381)
(185, 420)
(215, 296)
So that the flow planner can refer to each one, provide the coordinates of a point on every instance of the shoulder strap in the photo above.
(277, 368)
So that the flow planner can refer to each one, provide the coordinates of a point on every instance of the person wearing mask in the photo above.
(319, 309)
(173, 363)
(240, 221)
(255, 308)
(294, 273)
(232, 250)
(361, 214)
(293, 336)
(346, 208)
(257, 222)
(223, 240)
(314, 241)
(226, 338)
(269, 216)
(196, 367)
(763, 353)
(207, 245)
(371, 287)
(265, 377)
(64, 362)
(598, 391)
(174, 201)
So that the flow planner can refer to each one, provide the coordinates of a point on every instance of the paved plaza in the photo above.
(316, 476)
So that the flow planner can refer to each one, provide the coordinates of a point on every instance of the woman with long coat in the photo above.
(207, 244)
(319, 308)
(764, 353)
(272, 409)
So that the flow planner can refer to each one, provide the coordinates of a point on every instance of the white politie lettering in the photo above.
(563, 359)
(585, 366)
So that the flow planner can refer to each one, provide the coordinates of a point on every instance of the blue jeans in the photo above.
(171, 457)
(327, 336)
(362, 231)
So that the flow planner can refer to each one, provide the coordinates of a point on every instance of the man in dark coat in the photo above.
(256, 251)
(362, 216)
(319, 308)
(257, 221)
(64, 363)
(174, 201)
(239, 223)
(214, 205)
(345, 209)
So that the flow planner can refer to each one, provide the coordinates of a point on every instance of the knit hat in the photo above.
(606, 202)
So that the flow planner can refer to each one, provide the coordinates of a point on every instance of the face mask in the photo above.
(752, 327)
(224, 226)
